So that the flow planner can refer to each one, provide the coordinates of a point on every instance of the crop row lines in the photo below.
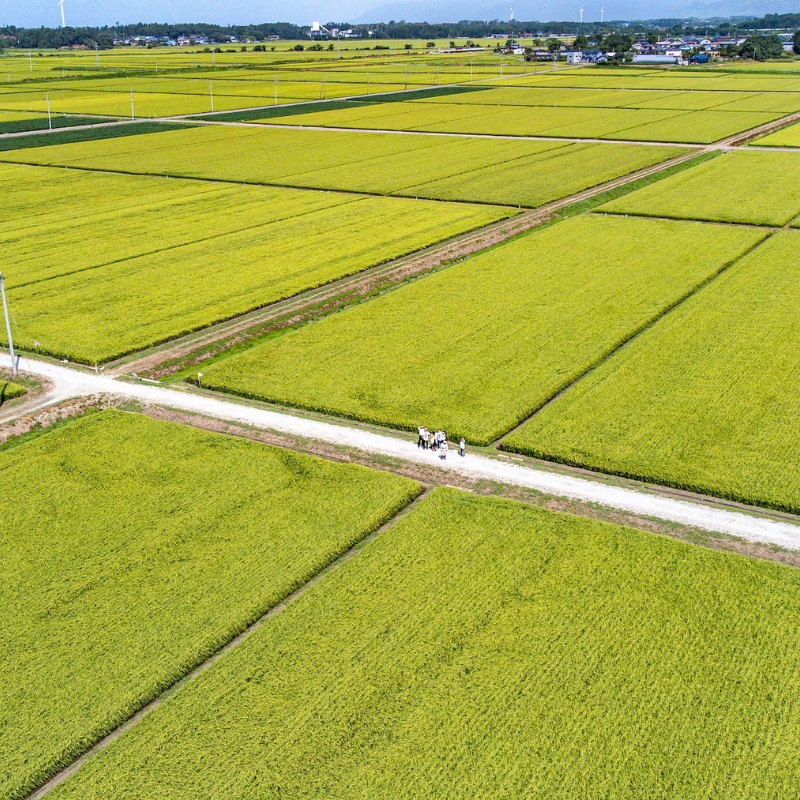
(232, 644)
(635, 334)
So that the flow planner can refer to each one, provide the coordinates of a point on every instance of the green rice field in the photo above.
(481, 648)
(756, 187)
(706, 400)
(195, 254)
(476, 348)
(785, 137)
(503, 172)
(650, 124)
(122, 568)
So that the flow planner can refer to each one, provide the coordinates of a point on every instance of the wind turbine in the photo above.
(61, 6)
(601, 13)
(581, 16)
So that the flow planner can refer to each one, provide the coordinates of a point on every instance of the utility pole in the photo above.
(211, 92)
(96, 55)
(276, 90)
(213, 54)
(133, 113)
(30, 60)
(8, 327)
(49, 118)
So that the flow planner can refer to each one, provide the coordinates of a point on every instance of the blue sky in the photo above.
(32, 13)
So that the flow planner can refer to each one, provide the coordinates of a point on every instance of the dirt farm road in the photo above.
(70, 383)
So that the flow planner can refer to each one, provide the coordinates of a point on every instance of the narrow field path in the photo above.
(72, 383)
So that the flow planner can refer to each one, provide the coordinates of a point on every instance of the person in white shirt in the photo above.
(421, 438)
(426, 437)
(462, 447)
(443, 448)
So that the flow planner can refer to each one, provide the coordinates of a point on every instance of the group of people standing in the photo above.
(438, 441)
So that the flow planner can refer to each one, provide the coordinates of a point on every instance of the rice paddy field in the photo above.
(484, 648)
(644, 327)
(141, 572)
(189, 254)
(503, 172)
(785, 137)
(756, 188)
(649, 124)
(478, 347)
(705, 400)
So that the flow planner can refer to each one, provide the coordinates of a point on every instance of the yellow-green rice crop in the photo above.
(650, 124)
(477, 347)
(482, 648)
(296, 240)
(756, 187)
(701, 127)
(785, 137)
(166, 215)
(707, 400)
(132, 550)
(503, 171)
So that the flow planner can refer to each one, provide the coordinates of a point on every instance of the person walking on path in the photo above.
(443, 456)
(462, 447)
(421, 436)
(426, 437)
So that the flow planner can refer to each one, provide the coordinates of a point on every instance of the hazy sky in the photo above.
(32, 13)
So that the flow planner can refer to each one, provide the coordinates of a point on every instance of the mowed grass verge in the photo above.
(132, 550)
(757, 188)
(502, 171)
(482, 648)
(477, 347)
(707, 400)
(138, 271)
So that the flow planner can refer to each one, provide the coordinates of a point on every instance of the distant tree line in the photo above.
(45, 38)
(48, 38)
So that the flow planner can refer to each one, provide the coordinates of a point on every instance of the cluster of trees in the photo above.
(761, 47)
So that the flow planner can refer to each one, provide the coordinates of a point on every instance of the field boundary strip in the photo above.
(239, 639)
(499, 443)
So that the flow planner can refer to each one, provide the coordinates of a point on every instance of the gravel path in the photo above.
(72, 383)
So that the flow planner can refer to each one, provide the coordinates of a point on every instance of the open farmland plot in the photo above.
(699, 127)
(707, 400)
(118, 104)
(288, 241)
(785, 137)
(110, 228)
(503, 171)
(758, 187)
(482, 648)
(649, 124)
(122, 570)
(477, 347)
(480, 119)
